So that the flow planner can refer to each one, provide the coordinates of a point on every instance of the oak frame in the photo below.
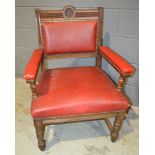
(75, 14)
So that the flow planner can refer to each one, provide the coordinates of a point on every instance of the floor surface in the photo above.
(84, 138)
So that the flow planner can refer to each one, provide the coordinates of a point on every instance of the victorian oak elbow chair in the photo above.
(75, 94)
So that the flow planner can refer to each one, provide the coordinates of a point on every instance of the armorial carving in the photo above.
(69, 11)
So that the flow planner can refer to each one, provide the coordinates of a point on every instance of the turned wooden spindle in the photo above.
(34, 88)
(121, 82)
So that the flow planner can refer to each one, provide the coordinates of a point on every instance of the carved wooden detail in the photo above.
(69, 11)
(117, 126)
(40, 129)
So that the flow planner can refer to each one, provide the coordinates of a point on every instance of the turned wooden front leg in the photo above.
(40, 129)
(117, 126)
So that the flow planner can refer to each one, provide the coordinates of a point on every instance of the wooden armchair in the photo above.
(75, 94)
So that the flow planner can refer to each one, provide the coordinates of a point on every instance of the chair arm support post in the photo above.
(34, 89)
(121, 82)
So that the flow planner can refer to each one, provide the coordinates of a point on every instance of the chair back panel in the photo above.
(73, 36)
(70, 31)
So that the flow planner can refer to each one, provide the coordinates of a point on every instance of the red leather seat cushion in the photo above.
(80, 90)
(61, 37)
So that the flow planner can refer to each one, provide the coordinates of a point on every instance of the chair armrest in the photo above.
(119, 63)
(33, 65)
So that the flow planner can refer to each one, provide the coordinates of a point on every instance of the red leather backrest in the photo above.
(76, 36)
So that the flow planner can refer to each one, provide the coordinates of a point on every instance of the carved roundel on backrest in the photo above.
(69, 11)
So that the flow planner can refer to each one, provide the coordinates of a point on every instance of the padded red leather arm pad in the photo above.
(116, 61)
(33, 65)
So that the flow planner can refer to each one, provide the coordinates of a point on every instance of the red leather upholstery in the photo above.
(80, 90)
(120, 63)
(33, 65)
(60, 37)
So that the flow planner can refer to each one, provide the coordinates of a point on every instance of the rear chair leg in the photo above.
(40, 129)
(117, 126)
